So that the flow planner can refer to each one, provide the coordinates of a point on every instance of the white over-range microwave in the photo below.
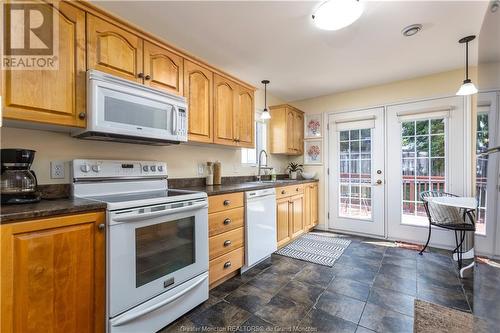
(125, 111)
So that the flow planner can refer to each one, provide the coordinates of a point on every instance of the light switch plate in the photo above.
(57, 170)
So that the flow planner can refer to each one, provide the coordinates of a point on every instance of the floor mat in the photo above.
(315, 248)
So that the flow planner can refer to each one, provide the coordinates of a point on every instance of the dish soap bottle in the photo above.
(273, 175)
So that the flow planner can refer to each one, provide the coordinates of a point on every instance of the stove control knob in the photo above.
(152, 168)
(160, 168)
(96, 168)
(85, 167)
(145, 168)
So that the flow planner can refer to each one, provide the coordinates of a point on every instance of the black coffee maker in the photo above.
(18, 182)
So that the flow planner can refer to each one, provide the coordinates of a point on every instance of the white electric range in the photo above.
(157, 242)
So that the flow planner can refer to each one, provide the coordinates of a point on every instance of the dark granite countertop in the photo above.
(245, 186)
(46, 208)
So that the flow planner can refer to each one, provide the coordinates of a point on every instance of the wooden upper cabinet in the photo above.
(225, 95)
(286, 130)
(198, 90)
(113, 50)
(53, 275)
(245, 118)
(52, 96)
(163, 69)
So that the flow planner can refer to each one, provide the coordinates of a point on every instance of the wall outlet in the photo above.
(201, 169)
(57, 169)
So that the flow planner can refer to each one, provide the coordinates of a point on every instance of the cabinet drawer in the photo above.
(287, 191)
(226, 264)
(226, 242)
(224, 221)
(222, 202)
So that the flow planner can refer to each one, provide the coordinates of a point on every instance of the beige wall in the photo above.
(182, 160)
(441, 84)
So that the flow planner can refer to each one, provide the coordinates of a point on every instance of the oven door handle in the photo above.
(128, 318)
(138, 217)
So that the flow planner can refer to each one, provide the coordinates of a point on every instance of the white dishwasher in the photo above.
(260, 225)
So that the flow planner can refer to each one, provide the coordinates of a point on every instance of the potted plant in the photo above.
(293, 168)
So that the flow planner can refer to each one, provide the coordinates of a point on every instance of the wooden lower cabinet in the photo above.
(282, 225)
(53, 275)
(226, 219)
(296, 211)
(310, 206)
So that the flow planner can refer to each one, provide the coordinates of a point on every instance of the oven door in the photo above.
(154, 249)
(121, 109)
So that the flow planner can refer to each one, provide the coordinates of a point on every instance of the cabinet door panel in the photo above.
(198, 83)
(298, 131)
(113, 50)
(314, 205)
(282, 217)
(245, 118)
(53, 275)
(297, 214)
(290, 137)
(52, 96)
(165, 68)
(307, 207)
(225, 102)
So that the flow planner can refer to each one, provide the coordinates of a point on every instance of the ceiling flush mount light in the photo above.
(337, 14)
(411, 30)
(467, 88)
(265, 114)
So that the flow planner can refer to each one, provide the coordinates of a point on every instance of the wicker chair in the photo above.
(451, 218)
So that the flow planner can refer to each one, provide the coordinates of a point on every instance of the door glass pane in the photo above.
(482, 137)
(355, 173)
(423, 165)
(163, 248)
(130, 113)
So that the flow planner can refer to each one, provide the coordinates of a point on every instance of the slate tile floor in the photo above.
(371, 288)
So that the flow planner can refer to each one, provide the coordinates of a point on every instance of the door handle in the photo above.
(141, 217)
(378, 182)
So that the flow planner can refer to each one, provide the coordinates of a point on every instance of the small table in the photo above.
(469, 203)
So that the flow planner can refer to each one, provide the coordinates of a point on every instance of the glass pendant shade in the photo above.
(265, 115)
(466, 89)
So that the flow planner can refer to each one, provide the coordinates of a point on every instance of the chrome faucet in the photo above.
(259, 177)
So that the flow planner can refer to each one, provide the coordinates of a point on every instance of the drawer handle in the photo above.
(227, 243)
(227, 264)
(227, 202)
(227, 221)
(283, 192)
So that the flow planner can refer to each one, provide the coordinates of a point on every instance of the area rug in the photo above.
(318, 249)
(433, 318)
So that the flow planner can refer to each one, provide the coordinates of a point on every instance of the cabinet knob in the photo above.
(82, 115)
(227, 221)
(227, 243)
(297, 189)
(283, 191)
(101, 226)
(147, 77)
(227, 202)
(227, 264)
(140, 75)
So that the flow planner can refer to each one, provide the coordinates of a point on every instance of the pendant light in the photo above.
(265, 114)
(467, 88)
(337, 14)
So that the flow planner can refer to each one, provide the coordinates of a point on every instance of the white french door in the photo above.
(356, 163)
(487, 230)
(426, 150)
